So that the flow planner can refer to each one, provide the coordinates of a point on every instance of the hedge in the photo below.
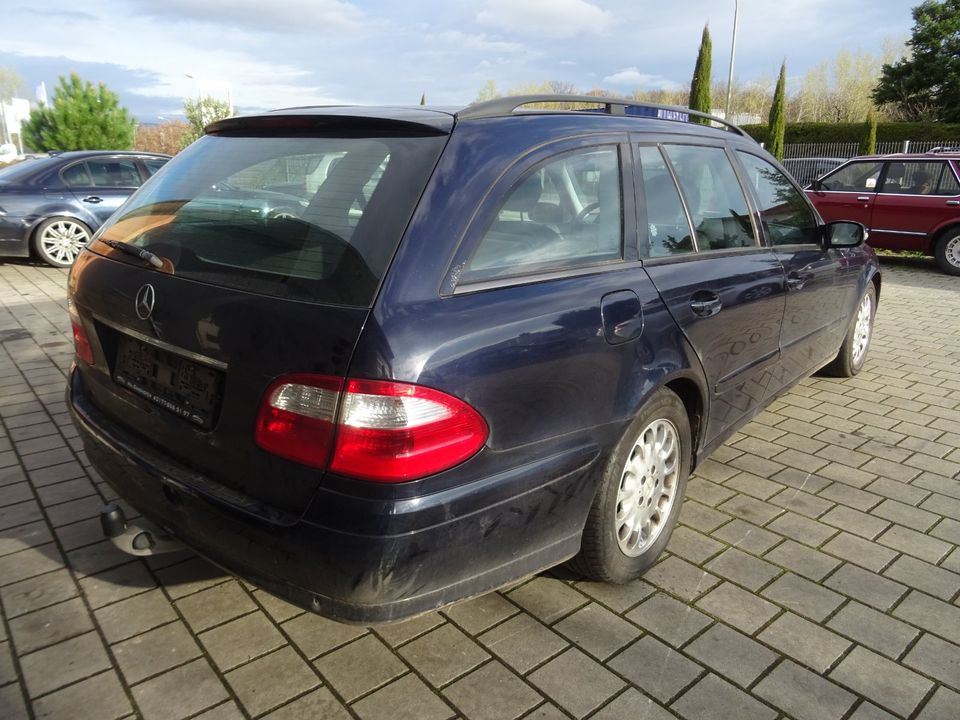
(854, 132)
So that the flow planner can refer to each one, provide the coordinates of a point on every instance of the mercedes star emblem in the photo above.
(144, 301)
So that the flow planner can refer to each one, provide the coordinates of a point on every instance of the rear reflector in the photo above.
(81, 343)
(383, 431)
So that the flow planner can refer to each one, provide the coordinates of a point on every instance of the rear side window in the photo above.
(918, 178)
(114, 173)
(948, 183)
(721, 219)
(785, 214)
(311, 218)
(668, 231)
(77, 176)
(855, 177)
(566, 212)
(153, 164)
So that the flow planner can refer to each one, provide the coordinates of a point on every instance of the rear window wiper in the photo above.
(144, 255)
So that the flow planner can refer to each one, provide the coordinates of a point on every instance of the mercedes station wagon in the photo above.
(488, 342)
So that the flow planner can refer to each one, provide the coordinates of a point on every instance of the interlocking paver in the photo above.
(812, 645)
(713, 697)
(883, 681)
(732, 654)
(669, 619)
(823, 536)
(876, 630)
(661, 671)
(803, 694)
(576, 683)
(444, 654)
(600, 632)
(271, 680)
(492, 693)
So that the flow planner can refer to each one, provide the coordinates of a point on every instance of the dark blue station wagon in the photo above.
(472, 346)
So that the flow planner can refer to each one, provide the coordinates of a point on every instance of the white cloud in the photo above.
(551, 18)
(633, 78)
(481, 42)
(291, 16)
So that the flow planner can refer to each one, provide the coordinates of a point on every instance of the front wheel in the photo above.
(638, 501)
(853, 352)
(59, 240)
(947, 252)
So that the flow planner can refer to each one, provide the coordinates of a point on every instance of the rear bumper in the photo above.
(386, 559)
(14, 236)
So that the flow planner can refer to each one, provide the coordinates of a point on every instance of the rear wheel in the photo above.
(59, 240)
(853, 352)
(638, 501)
(947, 252)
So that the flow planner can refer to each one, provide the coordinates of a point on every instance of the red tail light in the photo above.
(81, 343)
(382, 431)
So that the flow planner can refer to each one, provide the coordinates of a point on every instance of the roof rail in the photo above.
(944, 149)
(612, 106)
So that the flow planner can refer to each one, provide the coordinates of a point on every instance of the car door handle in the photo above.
(705, 304)
(863, 198)
(92, 199)
(795, 281)
(953, 202)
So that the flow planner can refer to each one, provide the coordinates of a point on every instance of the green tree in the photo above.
(200, 113)
(487, 92)
(82, 117)
(926, 84)
(868, 146)
(778, 114)
(423, 99)
(700, 84)
(10, 83)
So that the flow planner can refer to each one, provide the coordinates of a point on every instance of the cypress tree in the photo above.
(700, 84)
(81, 117)
(778, 115)
(868, 145)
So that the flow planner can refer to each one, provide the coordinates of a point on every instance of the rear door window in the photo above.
(856, 177)
(267, 214)
(785, 214)
(114, 173)
(668, 230)
(714, 198)
(948, 183)
(566, 212)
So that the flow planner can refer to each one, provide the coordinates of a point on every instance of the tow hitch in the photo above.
(140, 537)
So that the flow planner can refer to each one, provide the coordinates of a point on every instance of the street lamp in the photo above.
(733, 50)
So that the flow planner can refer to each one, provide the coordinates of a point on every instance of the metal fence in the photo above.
(848, 150)
(808, 161)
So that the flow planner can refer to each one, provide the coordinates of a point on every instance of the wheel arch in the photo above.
(940, 232)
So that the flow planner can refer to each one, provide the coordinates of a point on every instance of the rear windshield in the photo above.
(308, 218)
(25, 168)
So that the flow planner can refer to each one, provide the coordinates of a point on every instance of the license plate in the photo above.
(181, 386)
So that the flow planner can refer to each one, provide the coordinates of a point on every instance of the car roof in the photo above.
(949, 154)
(79, 154)
(443, 119)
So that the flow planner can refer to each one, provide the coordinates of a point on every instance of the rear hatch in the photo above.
(255, 283)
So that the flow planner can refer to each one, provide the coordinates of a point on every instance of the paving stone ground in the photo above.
(815, 573)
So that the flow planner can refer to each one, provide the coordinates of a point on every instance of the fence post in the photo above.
(906, 146)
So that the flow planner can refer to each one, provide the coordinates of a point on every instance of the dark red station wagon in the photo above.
(906, 201)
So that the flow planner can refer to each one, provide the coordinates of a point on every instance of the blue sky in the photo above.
(275, 53)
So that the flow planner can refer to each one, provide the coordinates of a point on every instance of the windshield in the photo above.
(309, 218)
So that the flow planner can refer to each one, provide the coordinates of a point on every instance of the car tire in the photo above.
(58, 240)
(947, 251)
(853, 351)
(638, 500)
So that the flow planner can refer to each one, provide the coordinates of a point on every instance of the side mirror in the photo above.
(843, 234)
(816, 185)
